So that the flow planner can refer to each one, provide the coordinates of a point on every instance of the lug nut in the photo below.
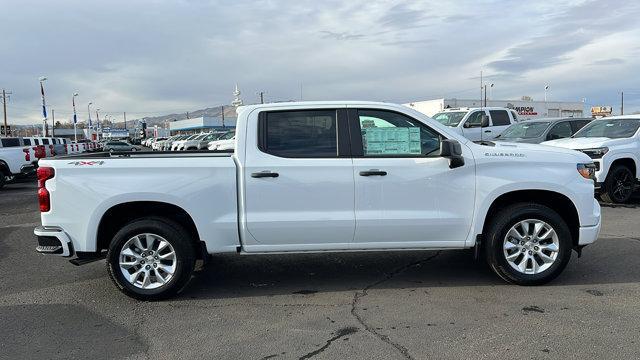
(155, 265)
(530, 252)
(151, 252)
(521, 242)
(141, 261)
(148, 267)
(155, 257)
(142, 254)
(535, 248)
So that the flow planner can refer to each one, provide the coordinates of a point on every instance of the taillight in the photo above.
(66, 148)
(44, 174)
(27, 156)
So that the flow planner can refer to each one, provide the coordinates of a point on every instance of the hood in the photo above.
(580, 143)
(535, 140)
(533, 149)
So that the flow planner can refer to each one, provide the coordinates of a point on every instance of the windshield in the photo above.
(450, 118)
(614, 128)
(525, 130)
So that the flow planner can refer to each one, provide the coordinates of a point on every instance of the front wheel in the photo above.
(619, 185)
(528, 244)
(151, 258)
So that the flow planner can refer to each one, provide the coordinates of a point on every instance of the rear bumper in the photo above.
(53, 241)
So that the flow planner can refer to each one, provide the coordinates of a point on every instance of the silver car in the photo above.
(538, 130)
(120, 145)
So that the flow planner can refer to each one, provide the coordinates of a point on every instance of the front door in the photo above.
(471, 128)
(406, 195)
(299, 187)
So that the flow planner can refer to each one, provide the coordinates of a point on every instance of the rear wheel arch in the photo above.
(121, 214)
(554, 200)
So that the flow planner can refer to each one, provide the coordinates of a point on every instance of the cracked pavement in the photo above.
(391, 305)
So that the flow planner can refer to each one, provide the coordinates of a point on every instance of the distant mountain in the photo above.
(229, 111)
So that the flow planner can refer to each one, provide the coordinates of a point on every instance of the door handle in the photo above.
(487, 131)
(264, 174)
(373, 173)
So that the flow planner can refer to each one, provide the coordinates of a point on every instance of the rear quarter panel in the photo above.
(83, 190)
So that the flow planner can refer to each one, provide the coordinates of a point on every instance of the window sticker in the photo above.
(392, 141)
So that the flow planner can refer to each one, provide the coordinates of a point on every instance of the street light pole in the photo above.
(75, 117)
(45, 130)
(97, 125)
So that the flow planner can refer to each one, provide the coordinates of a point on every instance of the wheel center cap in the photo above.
(149, 259)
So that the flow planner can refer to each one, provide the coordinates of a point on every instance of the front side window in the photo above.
(614, 128)
(560, 131)
(499, 117)
(26, 141)
(306, 134)
(578, 124)
(387, 133)
(9, 142)
(475, 119)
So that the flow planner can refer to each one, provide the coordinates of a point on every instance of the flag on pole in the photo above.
(44, 107)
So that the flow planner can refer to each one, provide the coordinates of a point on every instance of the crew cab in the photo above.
(613, 143)
(477, 124)
(319, 177)
(16, 160)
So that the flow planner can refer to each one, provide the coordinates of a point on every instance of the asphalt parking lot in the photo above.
(396, 305)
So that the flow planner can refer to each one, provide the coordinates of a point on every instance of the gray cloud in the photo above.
(612, 61)
(152, 57)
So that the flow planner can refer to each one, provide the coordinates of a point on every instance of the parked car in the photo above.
(225, 142)
(120, 145)
(302, 177)
(614, 145)
(178, 145)
(469, 121)
(539, 130)
(200, 142)
(15, 160)
(166, 146)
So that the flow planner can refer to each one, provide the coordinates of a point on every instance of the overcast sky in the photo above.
(157, 57)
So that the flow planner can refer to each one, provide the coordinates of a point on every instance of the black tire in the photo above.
(619, 185)
(502, 223)
(173, 233)
(3, 180)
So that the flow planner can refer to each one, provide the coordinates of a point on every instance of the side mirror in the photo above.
(452, 150)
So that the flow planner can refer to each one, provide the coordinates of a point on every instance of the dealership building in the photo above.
(526, 108)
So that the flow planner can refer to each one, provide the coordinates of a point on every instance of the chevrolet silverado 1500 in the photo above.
(319, 177)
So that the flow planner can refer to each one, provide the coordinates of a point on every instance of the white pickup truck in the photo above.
(478, 124)
(16, 160)
(319, 177)
(614, 145)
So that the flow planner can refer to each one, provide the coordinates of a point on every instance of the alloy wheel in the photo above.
(531, 246)
(147, 261)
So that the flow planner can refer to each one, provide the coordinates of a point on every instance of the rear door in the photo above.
(500, 120)
(406, 196)
(299, 187)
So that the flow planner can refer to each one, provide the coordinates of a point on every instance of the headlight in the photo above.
(596, 153)
(588, 171)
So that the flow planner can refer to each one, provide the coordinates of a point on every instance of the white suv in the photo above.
(469, 121)
(614, 145)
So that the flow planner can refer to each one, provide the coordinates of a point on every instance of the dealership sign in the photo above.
(523, 110)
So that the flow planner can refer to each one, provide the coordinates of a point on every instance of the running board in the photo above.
(88, 258)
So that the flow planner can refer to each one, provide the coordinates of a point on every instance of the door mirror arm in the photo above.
(452, 150)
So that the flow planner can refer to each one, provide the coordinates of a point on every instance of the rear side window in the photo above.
(10, 142)
(560, 131)
(45, 141)
(26, 142)
(300, 134)
(579, 124)
(499, 117)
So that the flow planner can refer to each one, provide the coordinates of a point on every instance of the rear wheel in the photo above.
(151, 258)
(619, 185)
(3, 180)
(528, 244)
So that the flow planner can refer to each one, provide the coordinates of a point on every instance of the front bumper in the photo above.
(53, 241)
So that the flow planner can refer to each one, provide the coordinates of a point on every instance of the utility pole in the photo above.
(4, 107)
(124, 116)
(261, 97)
(222, 114)
(53, 123)
(621, 105)
(485, 95)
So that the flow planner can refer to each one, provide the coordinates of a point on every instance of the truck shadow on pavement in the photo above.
(609, 261)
